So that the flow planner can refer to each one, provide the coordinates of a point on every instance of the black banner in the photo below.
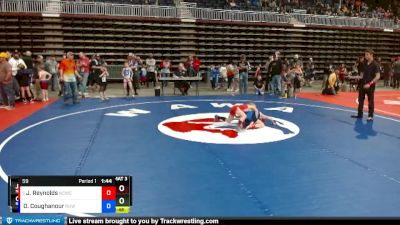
(69, 180)
(209, 221)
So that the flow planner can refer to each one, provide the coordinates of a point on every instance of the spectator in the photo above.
(230, 75)
(189, 65)
(182, 85)
(127, 75)
(296, 60)
(264, 5)
(14, 61)
(166, 66)
(60, 81)
(357, 5)
(309, 72)
(133, 63)
(6, 85)
(192, 65)
(244, 67)
(38, 62)
(342, 73)
(215, 77)
(103, 82)
(27, 57)
(259, 85)
(209, 75)
(268, 79)
(236, 76)
(232, 4)
(276, 70)
(67, 75)
(52, 67)
(223, 73)
(328, 69)
(258, 71)
(387, 74)
(95, 66)
(28, 60)
(23, 77)
(330, 83)
(196, 65)
(83, 65)
(44, 77)
(396, 73)
(151, 70)
(297, 77)
(143, 76)
(286, 82)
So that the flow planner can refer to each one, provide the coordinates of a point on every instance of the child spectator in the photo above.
(44, 78)
(103, 82)
(127, 74)
(165, 67)
(259, 85)
(215, 77)
(286, 84)
(297, 79)
(24, 76)
(229, 74)
(143, 76)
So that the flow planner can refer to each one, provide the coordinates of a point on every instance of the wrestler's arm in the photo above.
(230, 118)
(242, 116)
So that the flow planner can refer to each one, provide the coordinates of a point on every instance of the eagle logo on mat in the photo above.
(202, 128)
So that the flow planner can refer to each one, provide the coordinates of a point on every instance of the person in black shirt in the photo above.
(244, 67)
(370, 74)
(95, 67)
(276, 70)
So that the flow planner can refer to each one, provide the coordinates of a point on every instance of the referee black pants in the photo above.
(370, 92)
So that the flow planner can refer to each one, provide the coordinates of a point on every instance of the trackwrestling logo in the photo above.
(202, 128)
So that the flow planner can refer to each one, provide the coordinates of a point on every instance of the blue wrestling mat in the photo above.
(317, 161)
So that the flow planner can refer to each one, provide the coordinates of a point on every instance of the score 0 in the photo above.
(123, 194)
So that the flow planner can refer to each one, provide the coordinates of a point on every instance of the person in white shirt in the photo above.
(14, 62)
(151, 70)
(224, 74)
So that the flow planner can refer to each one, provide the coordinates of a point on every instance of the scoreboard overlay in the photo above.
(70, 194)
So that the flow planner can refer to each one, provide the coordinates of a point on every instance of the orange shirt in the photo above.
(68, 66)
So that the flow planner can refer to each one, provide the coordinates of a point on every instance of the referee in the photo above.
(369, 76)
